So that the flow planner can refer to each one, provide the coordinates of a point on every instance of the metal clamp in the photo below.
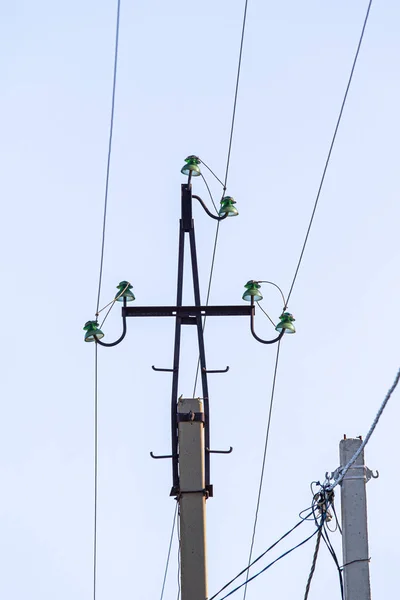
(366, 476)
(191, 417)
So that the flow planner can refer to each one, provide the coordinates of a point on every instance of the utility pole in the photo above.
(354, 523)
(190, 417)
(192, 499)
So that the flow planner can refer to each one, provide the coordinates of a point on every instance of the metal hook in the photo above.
(220, 451)
(121, 336)
(279, 337)
(217, 218)
(161, 456)
(369, 473)
(215, 371)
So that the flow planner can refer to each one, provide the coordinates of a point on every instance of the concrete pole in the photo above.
(354, 524)
(192, 499)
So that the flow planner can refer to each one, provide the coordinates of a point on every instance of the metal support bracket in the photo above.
(216, 370)
(165, 370)
(190, 416)
(366, 475)
(220, 451)
(163, 455)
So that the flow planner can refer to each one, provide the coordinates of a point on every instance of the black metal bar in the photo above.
(175, 378)
(219, 451)
(254, 333)
(240, 310)
(218, 370)
(165, 370)
(216, 217)
(202, 353)
(161, 455)
(186, 198)
(119, 340)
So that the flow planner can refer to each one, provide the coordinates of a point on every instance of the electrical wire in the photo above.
(353, 459)
(236, 93)
(260, 557)
(263, 466)
(314, 563)
(325, 537)
(111, 129)
(270, 565)
(209, 192)
(95, 471)
(224, 185)
(265, 313)
(321, 503)
(212, 173)
(207, 300)
(169, 551)
(330, 150)
(114, 86)
(179, 556)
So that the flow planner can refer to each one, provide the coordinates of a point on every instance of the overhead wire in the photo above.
(110, 138)
(107, 180)
(262, 466)
(285, 535)
(303, 249)
(270, 564)
(179, 555)
(313, 564)
(95, 471)
(330, 151)
(325, 537)
(343, 471)
(224, 184)
(169, 551)
(265, 313)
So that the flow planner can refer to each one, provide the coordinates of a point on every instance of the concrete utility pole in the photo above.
(354, 523)
(192, 499)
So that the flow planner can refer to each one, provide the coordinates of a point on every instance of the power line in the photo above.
(265, 313)
(313, 564)
(95, 472)
(353, 459)
(169, 551)
(302, 520)
(226, 171)
(179, 556)
(114, 85)
(271, 564)
(111, 129)
(236, 92)
(330, 150)
(325, 537)
(263, 466)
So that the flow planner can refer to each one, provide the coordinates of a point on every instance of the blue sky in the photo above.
(176, 78)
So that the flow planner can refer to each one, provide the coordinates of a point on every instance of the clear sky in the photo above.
(176, 78)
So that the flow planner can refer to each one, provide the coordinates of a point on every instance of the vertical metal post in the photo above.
(192, 499)
(202, 353)
(175, 377)
(354, 524)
